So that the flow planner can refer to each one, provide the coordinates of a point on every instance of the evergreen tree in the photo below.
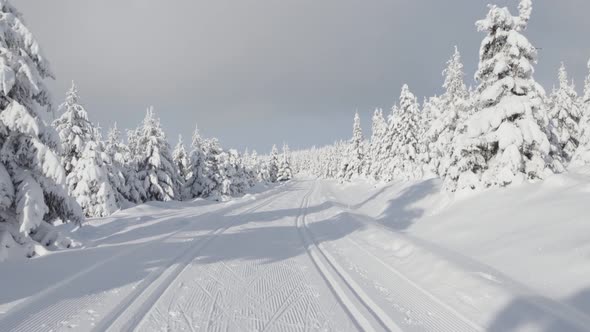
(285, 173)
(182, 163)
(404, 152)
(32, 180)
(506, 140)
(355, 156)
(273, 165)
(155, 166)
(74, 129)
(195, 184)
(83, 159)
(213, 179)
(116, 152)
(565, 114)
(89, 183)
(374, 156)
(448, 111)
(582, 155)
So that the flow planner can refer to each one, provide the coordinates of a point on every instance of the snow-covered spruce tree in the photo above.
(156, 169)
(195, 183)
(448, 111)
(32, 180)
(89, 183)
(565, 113)
(355, 157)
(374, 156)
(87, 174)
(582, 155)
(74, 129)
(182, 162)
(212, 172)
(404, 157)
(135, 185)
(273, 165)
(506, 140)
(116, 152)
(285, 173)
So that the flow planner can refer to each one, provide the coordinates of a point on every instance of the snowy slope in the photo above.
(319, 255)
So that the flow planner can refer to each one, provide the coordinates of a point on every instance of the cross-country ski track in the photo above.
(291, 258)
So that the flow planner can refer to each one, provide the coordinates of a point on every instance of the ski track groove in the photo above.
(271, 296)
(161, 287)
(325, 268)
(19, 318)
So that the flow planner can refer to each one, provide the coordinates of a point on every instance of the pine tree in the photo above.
(87, 174)
(355, 157)
(448, 111)
(135, 185)
(155, 166)
(182, 163)
(565, 114)
(117, 173)
(89, 183)
(285, 173)
(404, 152)
(213, 179)
(74, 129)
(374, 157)
(506, 141)
(32, 180)
(195, 184)
(273, 165)
(582, 155)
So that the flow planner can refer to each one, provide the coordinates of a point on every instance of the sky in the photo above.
(259, 72)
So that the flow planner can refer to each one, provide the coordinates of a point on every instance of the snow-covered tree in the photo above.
(355, 157)
(155, 166)
(582, 155)
(195, 183)
(83, 158)
(182, 162)
(448, 111)
(285, 173)
(89, 183)
(74, 129)
(116, 152)
(32, 180)
(565, 113)
(506, 140)
(273, 165)
(405, 143)
(374, 158)
(212, 171)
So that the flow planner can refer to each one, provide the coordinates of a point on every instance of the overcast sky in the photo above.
(258, 72)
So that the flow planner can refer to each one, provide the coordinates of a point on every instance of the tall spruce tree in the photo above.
(155, 166)
(32, 180)
(506, 140)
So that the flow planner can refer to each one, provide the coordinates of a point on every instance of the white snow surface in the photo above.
(317, 255)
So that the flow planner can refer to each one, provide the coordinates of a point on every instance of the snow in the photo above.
(320, 255)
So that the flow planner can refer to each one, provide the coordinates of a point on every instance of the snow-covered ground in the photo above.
(320, 255)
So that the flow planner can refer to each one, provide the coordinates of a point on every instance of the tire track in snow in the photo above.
(355, 301)
(130, 312)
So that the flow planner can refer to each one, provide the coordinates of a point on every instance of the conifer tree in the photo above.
(449, 110)
(374, 157)
(195, 184)
(285, 173)
(355, 156)
(565, 114)
(404, 152)
(182, 163)
(506, 140)
(33, 189)
(273, 165)
(155, 166)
